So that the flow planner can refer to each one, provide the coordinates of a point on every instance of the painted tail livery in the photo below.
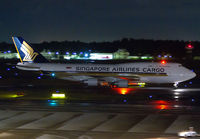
(26, 52)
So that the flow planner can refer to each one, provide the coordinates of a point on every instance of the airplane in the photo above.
(119, 75)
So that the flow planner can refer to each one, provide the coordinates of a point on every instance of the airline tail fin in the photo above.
(26, 52)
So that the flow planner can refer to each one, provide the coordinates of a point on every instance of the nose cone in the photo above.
(192, 74)
(187, 75)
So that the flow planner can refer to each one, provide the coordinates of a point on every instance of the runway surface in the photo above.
(28, 111)
(95, 121)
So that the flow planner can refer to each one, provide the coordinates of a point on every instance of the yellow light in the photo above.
(123, 91)
(58, 96)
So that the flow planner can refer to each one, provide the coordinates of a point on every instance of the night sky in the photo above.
(102, 20)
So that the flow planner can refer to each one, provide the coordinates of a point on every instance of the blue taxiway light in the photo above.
(185, 85)
(150, 96)
(53, 74)
(8, 69)
(39, 77)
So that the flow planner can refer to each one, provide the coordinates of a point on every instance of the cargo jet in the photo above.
(119, 75)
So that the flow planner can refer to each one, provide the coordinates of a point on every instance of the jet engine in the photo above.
(122, 83)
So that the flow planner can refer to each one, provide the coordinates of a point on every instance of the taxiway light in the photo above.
(53, 74)
(193, 100)
(8, 69)
(39, 77)
(58, 96)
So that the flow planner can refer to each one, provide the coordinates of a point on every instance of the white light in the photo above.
(176, 96)
(178, 90)
(176, 106)
(176, 93)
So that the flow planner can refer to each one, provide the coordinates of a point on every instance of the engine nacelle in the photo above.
(91, 82)
(122, 83)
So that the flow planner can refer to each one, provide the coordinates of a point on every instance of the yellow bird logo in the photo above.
(30, 55)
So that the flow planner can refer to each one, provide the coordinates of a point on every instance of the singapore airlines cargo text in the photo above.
(121, 69)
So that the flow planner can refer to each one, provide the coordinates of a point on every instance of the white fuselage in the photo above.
(145, 71)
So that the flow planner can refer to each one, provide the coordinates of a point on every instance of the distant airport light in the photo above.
(8, 69)
(13, 67)
(67, 53)
(189, 46)
(163, 62)
(125, 100)
(150, 96)
(86, 54)
(190, 82)
(0, 77)
(81, 53)
(144, 57)
(74, 53)
(57, 53)
(9, 51)
(41, 74)
(4, 52)
(16, 74)
(49, 53)
(193, 100)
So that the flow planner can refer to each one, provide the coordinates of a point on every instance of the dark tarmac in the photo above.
(151, 113)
